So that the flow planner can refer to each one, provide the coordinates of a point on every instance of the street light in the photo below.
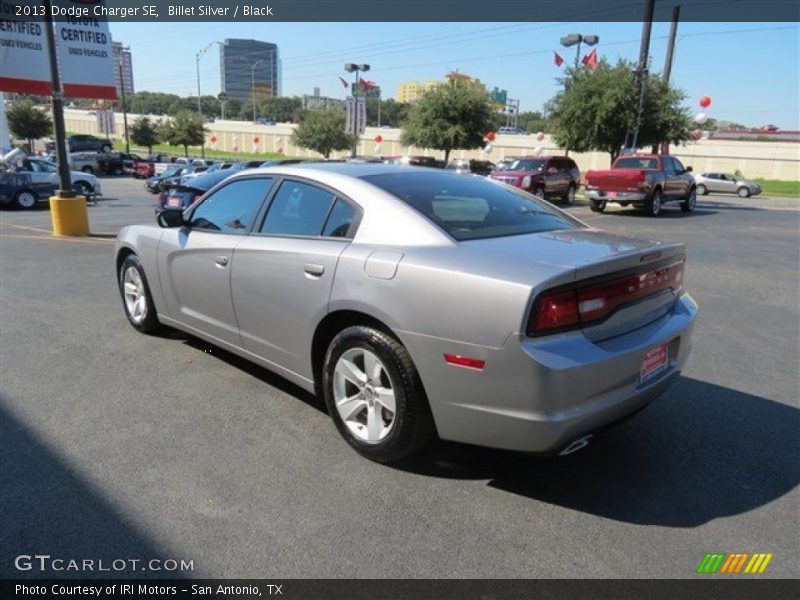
(197, 58)
(355, 68)
(576, 38)
(122, 90)
(253, 84)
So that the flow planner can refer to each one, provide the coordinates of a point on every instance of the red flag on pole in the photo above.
(557, 59)
(590, 60)
(344, 83)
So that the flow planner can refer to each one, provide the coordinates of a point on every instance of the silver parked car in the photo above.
(725, 183)
(419, 302)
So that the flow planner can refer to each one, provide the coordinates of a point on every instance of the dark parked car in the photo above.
(20, 190)
(153, 184)
(118, 163)
(477, 167)
(83, 143)
(545, 176)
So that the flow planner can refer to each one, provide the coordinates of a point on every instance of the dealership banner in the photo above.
(83, 46)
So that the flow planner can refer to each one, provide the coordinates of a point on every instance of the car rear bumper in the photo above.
(618, 196)
(540, 394)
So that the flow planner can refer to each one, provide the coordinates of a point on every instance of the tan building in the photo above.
(410, 91)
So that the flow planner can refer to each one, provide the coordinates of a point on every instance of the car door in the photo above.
(727, 183)
(672, 183)
(683, 179)
(195, 261)
(552, 177)
(43, 176)
(283, 272)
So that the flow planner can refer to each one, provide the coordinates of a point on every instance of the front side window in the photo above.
(298, 209)
(470, 208)
(231, 209)
(526, 165)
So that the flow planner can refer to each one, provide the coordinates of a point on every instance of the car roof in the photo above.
(358, 170)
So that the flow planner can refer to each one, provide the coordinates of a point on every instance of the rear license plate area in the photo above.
(654, 362)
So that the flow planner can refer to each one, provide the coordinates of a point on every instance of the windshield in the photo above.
(171, 171)
(471, 208)
(525, 165)
(635, 162)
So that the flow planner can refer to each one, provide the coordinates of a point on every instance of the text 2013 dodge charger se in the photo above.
(419, 302)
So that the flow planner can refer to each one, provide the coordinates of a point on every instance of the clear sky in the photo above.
(750, 70)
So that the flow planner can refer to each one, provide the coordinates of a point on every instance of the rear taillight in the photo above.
(583, 305)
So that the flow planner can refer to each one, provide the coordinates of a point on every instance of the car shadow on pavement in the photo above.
(698, 453)
(50, 509)
(666, 213)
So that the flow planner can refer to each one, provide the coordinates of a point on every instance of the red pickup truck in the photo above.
(645, 180)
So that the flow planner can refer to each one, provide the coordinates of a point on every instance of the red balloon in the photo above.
(697, 134)
(256, 140)
(705, 101)
(490, 135)
(213, 139)
(378, 139)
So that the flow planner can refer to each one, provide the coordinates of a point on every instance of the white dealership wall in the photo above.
(770, 160)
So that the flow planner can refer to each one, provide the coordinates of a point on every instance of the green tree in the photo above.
(393, 113)
(281, 109)
(144, 133)
(323, 131)
(453, 116)
(28, 122)
(596, 110)
(185, 129)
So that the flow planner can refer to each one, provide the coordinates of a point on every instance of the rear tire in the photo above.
(597, 205)
(570, 197)
(364, 371)
(82, 188)
(106, 148)
(539, 191)
(702, 190)
(25, 200)
(88, 169)
(688, 205)
(136, 298)
(743, 192)
(653, 206)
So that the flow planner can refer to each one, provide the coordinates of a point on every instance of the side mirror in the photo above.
(688, 169)
(171, 217)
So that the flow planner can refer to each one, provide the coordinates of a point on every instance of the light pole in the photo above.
(354, 68)
(576, 39)
(124, 108)
(197, 58)
(253, 84)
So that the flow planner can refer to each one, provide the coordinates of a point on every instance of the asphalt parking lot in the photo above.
(120, 445)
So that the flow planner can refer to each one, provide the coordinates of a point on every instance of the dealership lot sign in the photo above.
(83, 45)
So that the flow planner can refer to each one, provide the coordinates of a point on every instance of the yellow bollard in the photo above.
(69, 215)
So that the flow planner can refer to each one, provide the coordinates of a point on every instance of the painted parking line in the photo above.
(55, 238)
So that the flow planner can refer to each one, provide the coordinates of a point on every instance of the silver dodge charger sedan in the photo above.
(419, 302)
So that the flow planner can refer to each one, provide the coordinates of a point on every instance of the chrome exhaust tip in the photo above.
(577, 445)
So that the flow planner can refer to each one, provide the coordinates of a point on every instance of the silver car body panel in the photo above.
(438, 296)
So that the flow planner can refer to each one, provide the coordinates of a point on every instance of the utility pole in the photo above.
(356, 68)
(673, 32)
(641, 71)
(124, 108)
(64, 177)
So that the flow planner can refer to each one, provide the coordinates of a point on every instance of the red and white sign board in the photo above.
(83, 45)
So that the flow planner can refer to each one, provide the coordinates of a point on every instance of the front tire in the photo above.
(82, 188)
(570, 197)
(539, 191)
(688, 205)
(136, 298)
(653, 206)
(702, 190)
(375, 396)
(106, 148)
(743, 192)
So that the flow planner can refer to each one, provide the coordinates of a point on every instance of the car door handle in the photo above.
(314, 269)
(222, 261)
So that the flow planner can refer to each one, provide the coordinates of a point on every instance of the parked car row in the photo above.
(35, 180)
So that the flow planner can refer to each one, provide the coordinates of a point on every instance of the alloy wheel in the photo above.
(135, 298)
(26, 200)
(364, 395)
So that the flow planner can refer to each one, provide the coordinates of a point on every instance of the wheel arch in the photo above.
(123, 253)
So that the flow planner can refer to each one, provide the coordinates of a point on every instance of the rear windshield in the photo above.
(471, 208)
(526, 165)
(634, 162)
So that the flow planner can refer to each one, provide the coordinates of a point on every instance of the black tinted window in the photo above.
(340, 220)
(471, 207)
(634, 162)
(231, 208)
(298, 209)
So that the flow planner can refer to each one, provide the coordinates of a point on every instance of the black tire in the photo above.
(702, 190)
(82, 188)
(106, 148)
(23, 198)
(119, 171)
(743, 192)
(569, 198)
(88, 169)
(149, 324)
(413, 426)
(624, 204)
(689, 204)
(597, 205)
(539, 191)
(653, 205)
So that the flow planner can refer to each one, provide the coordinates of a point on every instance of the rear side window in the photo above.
(471, 207)
(298, 209)
(634, 162)
(340, 220)
(231, 209)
